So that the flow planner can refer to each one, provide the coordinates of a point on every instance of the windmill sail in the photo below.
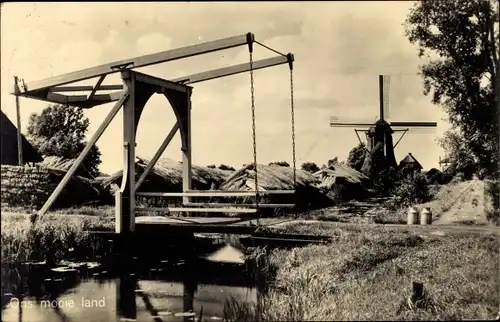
(386, 81)
(413, 124)
(336, 121)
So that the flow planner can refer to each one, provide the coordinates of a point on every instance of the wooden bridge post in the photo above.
(126, 305)
(186, 148)
(125, 220)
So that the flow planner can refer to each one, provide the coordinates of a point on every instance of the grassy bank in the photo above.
(368, 275)
(54, 236)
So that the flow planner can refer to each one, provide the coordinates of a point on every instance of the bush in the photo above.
(226, 167)
(385, 181)
(310, 167)
(493, 191)
(413, 189)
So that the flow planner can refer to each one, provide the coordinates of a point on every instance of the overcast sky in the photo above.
(340, 49)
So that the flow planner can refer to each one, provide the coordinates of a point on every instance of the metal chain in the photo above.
(293, 129)
(254, 137)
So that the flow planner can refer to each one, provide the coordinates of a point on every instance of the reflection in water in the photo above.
(168, 292)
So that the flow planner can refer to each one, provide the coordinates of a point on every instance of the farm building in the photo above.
(167, 176)
(341, 182)
(409, 163)
(8, 146)
(53, 162)
(276, 177)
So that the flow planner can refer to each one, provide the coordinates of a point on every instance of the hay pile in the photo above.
(166, 176)
(275, 177)
(337, 173)
(58, 163)
(341, 182)
(269, 177)
(30, 187)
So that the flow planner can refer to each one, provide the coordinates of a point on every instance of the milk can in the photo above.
(426, 216)
(413, 217)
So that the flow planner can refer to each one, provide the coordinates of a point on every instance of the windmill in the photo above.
(380, 130)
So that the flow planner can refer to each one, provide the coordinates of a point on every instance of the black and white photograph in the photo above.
(250, 161)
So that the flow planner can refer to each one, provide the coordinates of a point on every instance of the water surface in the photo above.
(168, 291)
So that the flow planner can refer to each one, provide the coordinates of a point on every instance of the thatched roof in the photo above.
(167, 173)
(269, 177)
(274, 177)
(58, 163)
(8, 151)
(331, 175)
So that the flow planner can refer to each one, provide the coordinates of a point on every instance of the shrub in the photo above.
(493, 191)
(310, 167)
(412, 189)
(385, 181)
(226, 167)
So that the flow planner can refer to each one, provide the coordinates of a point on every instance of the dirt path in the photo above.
(468, 206)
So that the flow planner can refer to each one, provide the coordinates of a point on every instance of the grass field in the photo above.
(368, 275)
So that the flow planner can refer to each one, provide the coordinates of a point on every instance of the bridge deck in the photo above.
(222, 225)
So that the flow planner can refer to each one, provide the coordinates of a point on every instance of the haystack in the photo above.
(62, 164)
(274, 177)
(30, 187)
(166, 176)
(341, 182)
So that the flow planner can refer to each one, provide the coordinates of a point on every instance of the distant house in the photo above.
(8, 145)
(409, 163)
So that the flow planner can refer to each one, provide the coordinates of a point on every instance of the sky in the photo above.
(340, 49)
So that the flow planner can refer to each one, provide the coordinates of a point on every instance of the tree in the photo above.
(310, 167)
(357, 156)
(459, 39)
(459, 154)
(60, 131)
(374, 162)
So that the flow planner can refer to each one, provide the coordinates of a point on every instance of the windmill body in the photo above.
(381, 131)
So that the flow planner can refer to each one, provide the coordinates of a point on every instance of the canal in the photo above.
(196, 288)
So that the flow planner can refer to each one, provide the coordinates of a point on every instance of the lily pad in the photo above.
(63, 269)
(187, 314)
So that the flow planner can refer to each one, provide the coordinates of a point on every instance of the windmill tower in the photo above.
(381, 130)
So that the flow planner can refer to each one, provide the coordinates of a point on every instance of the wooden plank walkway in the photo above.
(217, 225)
(161, 220)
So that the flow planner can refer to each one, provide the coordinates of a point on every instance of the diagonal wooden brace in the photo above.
(157, 155)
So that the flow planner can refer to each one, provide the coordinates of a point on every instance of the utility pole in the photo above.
(18, 117)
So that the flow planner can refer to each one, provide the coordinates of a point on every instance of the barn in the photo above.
(8, 145)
